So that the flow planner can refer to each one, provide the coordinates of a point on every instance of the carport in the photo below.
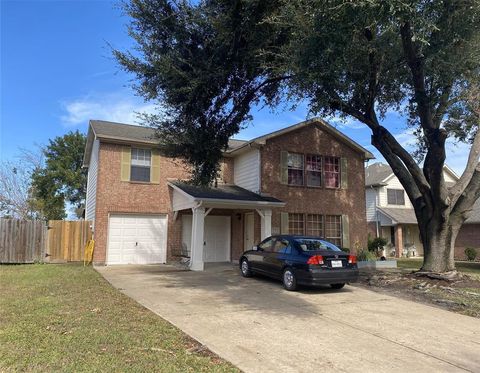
(202, 201)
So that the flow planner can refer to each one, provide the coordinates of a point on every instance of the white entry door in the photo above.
(248, 232)
(216, 237)
(137, 239)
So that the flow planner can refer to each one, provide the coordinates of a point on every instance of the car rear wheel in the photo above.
(245, 268)
(337, 286)
(289, 279)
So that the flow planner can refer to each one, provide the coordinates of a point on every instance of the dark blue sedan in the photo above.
(300, 260)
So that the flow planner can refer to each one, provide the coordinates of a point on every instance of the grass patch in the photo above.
(68, 318)
(415, 264)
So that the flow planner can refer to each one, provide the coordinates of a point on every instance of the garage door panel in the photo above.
(135, 239)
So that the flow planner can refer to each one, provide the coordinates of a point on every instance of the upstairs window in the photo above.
(314, 170)
(395, 196)
(332, 172)
(140, 165)
(295, 169)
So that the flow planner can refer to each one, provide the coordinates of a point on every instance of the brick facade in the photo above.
(469, 236)
(116, 196)
(310, 200)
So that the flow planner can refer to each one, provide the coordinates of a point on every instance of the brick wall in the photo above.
(469, 236)
(116, 196)
(301, 199)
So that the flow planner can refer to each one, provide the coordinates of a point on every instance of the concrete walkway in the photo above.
(260, 327)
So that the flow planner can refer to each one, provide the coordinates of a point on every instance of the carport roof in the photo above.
(224, 194)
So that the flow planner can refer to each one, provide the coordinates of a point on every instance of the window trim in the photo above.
(320, 172)
(302, 169)
(396, 190)
(324, 226)
(140, 166)
(339, 173)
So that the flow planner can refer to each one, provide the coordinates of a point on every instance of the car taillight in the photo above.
(315, 259)
(352, 259)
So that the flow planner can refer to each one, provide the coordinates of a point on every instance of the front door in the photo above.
(248, 232)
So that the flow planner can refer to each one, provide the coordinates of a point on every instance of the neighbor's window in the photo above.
(395, 196)
(295, 169)
(140, 165)
(296, 224)
(314, 170)
(332, 172)
(333, 229)
(314, 225)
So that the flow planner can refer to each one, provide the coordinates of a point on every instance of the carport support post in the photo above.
(198, 224)
(265, 224)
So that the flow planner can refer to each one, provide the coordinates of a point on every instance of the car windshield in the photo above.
(312, 244)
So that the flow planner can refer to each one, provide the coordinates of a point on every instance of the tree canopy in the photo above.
(62, 178)
(208, 63)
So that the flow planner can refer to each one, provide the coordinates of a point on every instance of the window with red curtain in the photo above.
(332, 172)
(314, 170)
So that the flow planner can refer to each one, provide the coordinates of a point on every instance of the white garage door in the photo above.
(137, 239)
(216, 237)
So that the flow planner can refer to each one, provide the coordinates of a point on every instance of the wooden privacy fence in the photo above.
(22, 241)
(67, 240)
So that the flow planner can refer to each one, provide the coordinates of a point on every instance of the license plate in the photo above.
(336, 263)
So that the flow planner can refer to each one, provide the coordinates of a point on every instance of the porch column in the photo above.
(198, 224)
(265, 224)
(398, 240)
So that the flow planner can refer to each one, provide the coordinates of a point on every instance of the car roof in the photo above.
(296, 236)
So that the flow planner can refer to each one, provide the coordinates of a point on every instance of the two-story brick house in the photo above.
(390, 214)
(305, 179)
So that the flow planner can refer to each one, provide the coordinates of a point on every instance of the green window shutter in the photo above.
(125, 163)
(155, 167)
(284, 223)
(344, 172)
(345, 232)
(284, 167)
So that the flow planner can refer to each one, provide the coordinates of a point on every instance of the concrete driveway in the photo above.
(260, 327)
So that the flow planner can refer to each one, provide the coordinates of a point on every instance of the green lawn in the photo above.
(68, 318)
(414, 264)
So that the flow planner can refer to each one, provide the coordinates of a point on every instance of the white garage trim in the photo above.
(137, 238)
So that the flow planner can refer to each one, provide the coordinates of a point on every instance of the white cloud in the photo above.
(347, 123)
(109, 107)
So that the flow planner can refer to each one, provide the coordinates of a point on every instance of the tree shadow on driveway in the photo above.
(219, 289)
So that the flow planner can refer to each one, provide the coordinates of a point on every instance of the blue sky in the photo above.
(57, 72)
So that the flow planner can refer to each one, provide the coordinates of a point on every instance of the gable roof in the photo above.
(261, 140)
(378, 173)
(135, 134)
(126, 133)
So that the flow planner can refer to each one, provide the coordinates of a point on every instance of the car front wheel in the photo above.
(245, 268)
(289, 279)
(337, 286)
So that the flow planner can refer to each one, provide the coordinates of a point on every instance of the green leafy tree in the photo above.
(208, 63)
(62, 179)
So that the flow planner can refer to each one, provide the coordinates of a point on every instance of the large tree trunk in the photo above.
(438, 238)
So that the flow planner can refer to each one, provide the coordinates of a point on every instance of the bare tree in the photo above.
(16, 199)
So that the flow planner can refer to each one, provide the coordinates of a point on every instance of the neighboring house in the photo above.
(304, 179)
(390, 214)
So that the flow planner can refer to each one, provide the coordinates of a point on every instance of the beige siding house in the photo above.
(390, 214)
